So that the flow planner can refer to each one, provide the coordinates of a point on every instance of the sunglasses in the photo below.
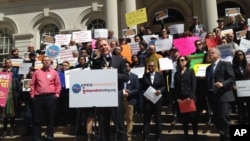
(198, 44)
(181, 60)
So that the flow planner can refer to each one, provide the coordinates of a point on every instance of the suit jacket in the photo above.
(185, 84)
(158, 83)
(133, 87)
(223, 73)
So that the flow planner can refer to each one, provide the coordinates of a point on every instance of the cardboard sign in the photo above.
(47, 39)
(129, 33)
(16, 62)
(160, 15)
(241, 34)
(232, 11)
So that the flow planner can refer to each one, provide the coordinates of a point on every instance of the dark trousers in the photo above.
(150, 109)
(118, 119)
(221, 118)
(43, 104)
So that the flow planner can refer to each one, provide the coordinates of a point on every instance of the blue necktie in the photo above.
(211, 74)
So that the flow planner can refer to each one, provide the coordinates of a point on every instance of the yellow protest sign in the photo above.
(136, 17)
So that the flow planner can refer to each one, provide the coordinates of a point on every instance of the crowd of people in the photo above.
(214, 95)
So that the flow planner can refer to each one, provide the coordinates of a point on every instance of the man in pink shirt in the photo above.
(45, 89)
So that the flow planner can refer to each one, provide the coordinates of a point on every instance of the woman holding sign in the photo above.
(242, 72)
(185, 86)
(9, 110)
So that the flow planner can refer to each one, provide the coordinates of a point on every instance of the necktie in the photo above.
(211, 74)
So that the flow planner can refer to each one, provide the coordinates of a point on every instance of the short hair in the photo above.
(14, 50)
(67, 62)
(99, 40)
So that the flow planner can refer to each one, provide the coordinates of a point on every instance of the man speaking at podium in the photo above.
(109, 61)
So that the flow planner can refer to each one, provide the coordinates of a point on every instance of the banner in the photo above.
(95, 88)
(5, 80)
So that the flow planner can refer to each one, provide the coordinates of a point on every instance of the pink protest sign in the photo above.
(93, 43)
(186, 45)
(5, 79)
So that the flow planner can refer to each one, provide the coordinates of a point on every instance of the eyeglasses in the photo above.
(182, 60)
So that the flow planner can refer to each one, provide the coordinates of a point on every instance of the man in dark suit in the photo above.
(130, 93)
(155, 80)
(109, 61)
(220, 80)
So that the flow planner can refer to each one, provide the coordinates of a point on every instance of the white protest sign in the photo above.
(95, 88)
(66, 54)
(244, 45)
(226, 31)
(162, 45)
(176, 28)
(16, 62)
(138, 71)
(232, 11)
(134, 47)
(100, 33)
(24, 68)
(227, 52)
(200, 69)
(243, 88)
(160, 15)
(63, 39)
(147, 38)
(82, 36)
(166, 64)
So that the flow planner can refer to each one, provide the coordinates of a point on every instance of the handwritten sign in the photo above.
(241, 34)
(24, 68)
(162, 45)
(200, 69)
(244, 45)
(134, 47)
(195, 59)
(232, 11)
(243, 88)
(176, 28)
(100, 33)
(82, 36)
(16, 62)
(160, 15)
(166, 64)
(47, 39)
(63, 39)
(129, 33)
(136, 17)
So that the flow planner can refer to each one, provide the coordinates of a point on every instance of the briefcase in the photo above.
(187, 105)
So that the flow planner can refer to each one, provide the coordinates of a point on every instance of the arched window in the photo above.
(6, 43)
(173, 16)
(97, 23)
(223, 5)
(49, 30)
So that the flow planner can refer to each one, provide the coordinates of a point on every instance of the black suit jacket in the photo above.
(223, 73)
(158, 83)
(133, 87)
(185, 84)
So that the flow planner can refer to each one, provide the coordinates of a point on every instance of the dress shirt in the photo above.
(152, 76)
(44, 82)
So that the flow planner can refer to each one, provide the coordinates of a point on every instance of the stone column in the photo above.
(112, 16)
(211, 14)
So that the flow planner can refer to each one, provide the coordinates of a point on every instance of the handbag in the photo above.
(186, 106)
